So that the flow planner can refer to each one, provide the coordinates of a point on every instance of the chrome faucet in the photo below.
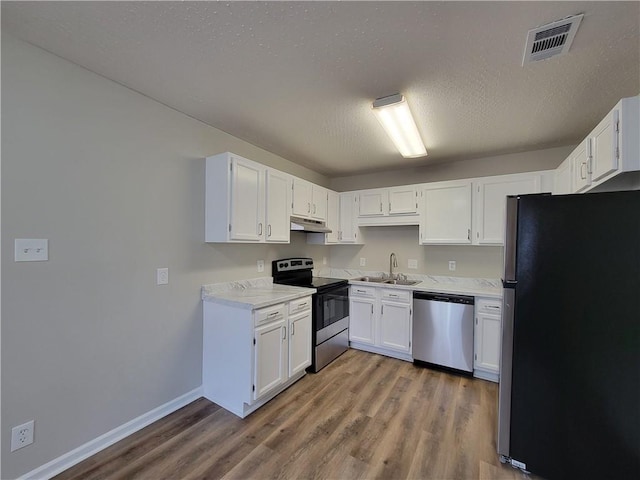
(393, 262)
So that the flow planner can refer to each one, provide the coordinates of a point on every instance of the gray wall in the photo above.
(115, 181)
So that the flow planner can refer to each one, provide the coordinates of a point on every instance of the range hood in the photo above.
(304, 225)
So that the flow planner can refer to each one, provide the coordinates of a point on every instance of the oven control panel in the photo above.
(292, 264)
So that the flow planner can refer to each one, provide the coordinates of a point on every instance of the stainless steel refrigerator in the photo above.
(569, 396)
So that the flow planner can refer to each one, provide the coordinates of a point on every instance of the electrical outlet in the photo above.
(324, 260)
(31, 250)
(260, 264)
(363, 262)
(413, 263)
(162, 276)
(22, 435)
(452, 265)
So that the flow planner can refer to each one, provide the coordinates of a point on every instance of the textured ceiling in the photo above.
(298, 78)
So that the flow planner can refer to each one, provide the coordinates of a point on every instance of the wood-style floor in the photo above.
(363, 416)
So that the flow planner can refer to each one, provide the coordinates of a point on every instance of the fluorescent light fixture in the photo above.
(395, 117)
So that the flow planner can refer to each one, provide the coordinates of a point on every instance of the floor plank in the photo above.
(365, 416)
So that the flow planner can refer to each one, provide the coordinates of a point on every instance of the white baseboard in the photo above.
(69, 459)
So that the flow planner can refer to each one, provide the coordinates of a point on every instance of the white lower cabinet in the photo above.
(380, 320)
(249, 356)
(487, 338)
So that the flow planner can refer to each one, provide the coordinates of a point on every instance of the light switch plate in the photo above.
(31, 250)
(413, 263)
(260, 264)
(363, 262)
(452, 265)
(162, 276)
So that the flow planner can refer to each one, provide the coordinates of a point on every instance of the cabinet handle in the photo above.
(269, 230)
(300, 305)
(393, 295)
(260, 228)
(372, 309)
(583, 166)
(284, 333)
(589, 166)
(293, 329)
(361, 291)
(469, 234)
(389, 207)
(339, 235)
(381, 309)
(271, 315)
(308, 207)
(380, 207)
(314, 208)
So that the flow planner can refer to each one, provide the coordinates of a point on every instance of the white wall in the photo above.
(115, 181)
(483, 262)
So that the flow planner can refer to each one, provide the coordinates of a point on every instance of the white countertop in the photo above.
(477, 287)
(252, 294)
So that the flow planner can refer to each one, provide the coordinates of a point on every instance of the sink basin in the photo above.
(402, 282)
(370, 279)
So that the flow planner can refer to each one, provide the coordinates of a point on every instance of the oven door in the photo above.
(330, 306)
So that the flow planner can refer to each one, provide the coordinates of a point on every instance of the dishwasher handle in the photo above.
(443, 297)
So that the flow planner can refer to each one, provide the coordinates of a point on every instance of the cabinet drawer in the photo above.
(299, 305)
(491, 307)
(269, 314)
(396, 295)
(359, 291)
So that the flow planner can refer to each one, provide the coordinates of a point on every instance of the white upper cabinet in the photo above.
(309, 200)
(245, 201)
(349, 232)
(563, 177)
(234, 199)
(611, 149)
(388, 206)
(278, 218)
(490, 203)
(446, 217)
(333, 216)
(580, 160)
(373, 203)
(403, 200)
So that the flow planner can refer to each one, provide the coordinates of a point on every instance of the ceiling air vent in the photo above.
(550, 40)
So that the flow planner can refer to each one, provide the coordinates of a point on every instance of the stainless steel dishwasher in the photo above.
(443, 331)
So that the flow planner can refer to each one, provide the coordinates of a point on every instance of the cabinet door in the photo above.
(604, 147)
(580, 164)
(299, 343)
(247, 201)
(395, 326)
(562, 178)
(278, 221)
(373, 203)
(487, 340)
(492, 200)
(348, 227)
(402, 200)
(361, 321)
(318, 203)
(301, 198)
(447, 214)
(333, 216)
(270, 357)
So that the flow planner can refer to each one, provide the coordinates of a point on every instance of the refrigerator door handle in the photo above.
(506, 367)
(510, 238)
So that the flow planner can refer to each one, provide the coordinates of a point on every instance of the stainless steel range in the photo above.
(330, 311)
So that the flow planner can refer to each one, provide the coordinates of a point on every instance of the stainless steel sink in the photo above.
(402, 282)
(371, 279)
(388, 281)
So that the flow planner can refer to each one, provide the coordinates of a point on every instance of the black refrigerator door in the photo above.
(575, 398)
